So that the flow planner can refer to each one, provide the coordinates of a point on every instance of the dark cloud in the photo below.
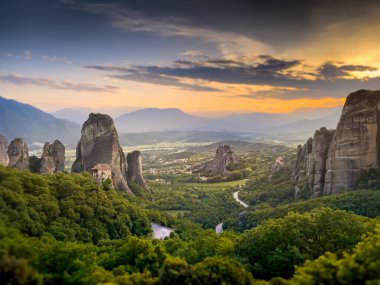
(61, 85)
(270, 71)
(331, 70)
(287, 76)
(275, 22)
(142, 74)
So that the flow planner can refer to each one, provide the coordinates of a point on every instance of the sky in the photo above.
(209, 57)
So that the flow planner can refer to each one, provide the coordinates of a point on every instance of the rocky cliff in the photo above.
(53, 158)
(333, 161)
(18, 154)
(99, 143)
(134, 172)
(310, 166)
(4, 159)
(224, 156)
(355, 146)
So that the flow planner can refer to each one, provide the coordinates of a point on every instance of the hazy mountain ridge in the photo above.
(34, 125)
(155, 119)
(78, 116)
(153, 125)
(330, 122)
(130, 139)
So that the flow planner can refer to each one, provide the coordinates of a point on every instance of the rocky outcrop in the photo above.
(99, 143)
(299, 167)
(224, 156)
(4, 159)
(316, 161)
(334, 161)
(53, 158)
(355, 146)
(278, 164)
(18, 154)
(310, 166)
(134, 172)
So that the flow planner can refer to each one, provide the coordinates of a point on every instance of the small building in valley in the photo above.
(101, 172)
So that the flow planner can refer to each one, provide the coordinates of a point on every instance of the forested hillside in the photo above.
(64, 229)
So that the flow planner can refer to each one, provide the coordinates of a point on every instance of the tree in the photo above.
(220, 270)
(274, 247)
(359, 267)
(174, 271)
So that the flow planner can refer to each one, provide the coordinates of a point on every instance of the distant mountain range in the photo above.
(258, 121)
(156, 120)
(155, 125)
(172, 119)
(74, 115)
(131, 139)
(305, 125)
(34, 125)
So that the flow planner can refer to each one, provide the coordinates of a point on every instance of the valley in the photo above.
(202, 142)
(127, 212)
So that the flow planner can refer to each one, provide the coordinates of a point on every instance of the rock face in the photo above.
(310, 166)
(278, 164)
(224, 156)
(53, 158)
(316, 161)
(4, 159)
(99, 143)
(333, 161)
(299, 168)
(355, 146)
(135, 169)
(18, 154)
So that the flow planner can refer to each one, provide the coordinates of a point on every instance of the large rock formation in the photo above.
(4, 159)
(355, 146)
(224, 156)
(278, 164)
(53, 158)
(99, 143)
(299, 167)
(333, 161)
(18, 154)
(135, 169)
(316, 161)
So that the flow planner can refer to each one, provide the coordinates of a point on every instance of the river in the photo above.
(160, 232)
(219, 228)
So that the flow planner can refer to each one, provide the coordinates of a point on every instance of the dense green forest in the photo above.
(64, 229)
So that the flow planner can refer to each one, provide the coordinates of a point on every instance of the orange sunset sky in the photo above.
(204, 57)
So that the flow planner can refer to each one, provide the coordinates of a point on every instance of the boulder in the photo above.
(53, 158)
(134, 172)
(99, 143)
(18, 154)
(4, 159)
